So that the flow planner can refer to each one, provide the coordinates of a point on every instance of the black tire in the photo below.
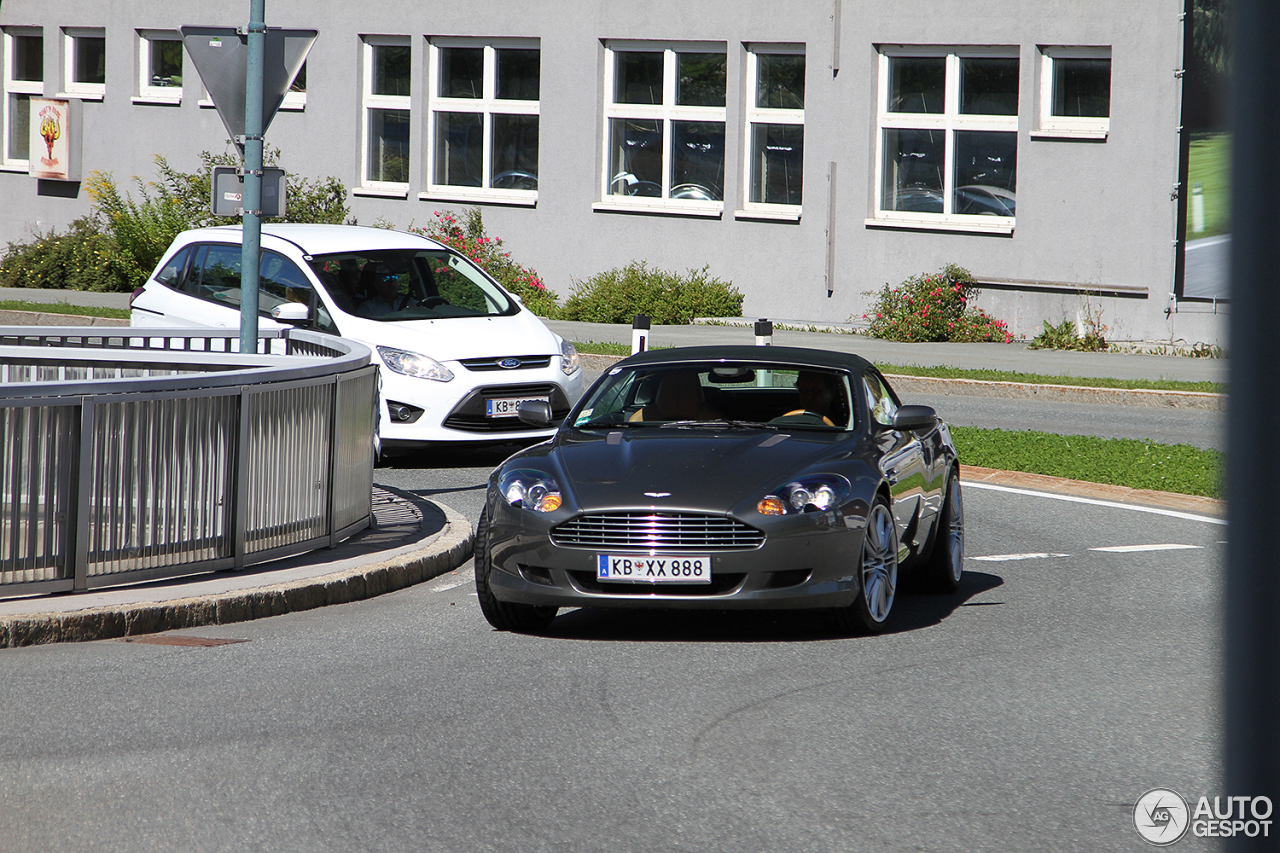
(944, 569)
(877, 573)
(503, 615)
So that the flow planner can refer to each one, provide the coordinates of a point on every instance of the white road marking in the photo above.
(1004, 558)
(1131, 549)
(1112, 504)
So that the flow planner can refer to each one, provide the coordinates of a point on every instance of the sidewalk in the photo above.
(410, 541)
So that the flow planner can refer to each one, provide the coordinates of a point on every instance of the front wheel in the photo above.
(503, 615)
(945, 568)
(877, 573)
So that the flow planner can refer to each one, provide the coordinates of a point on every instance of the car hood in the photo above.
(455, 338)
(687, 467)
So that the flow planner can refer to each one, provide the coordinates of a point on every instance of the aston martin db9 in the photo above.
(724, 477)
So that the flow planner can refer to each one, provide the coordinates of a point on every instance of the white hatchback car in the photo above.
(457, 353)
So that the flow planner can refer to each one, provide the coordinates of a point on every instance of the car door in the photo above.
(901, 456)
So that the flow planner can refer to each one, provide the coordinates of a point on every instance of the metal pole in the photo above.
(1252, 747)
(252, 200)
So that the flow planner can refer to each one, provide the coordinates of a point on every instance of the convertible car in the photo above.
(724, 477)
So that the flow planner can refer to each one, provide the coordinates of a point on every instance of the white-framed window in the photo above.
(1075, 92)
(84, 58)
(664, 126)
(484, 118)
(22, 52)
(160, 67)
(296, 97)
(385, 121)
(774, 161)
(947, 146)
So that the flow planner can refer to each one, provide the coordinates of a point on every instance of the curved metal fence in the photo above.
(155, 453)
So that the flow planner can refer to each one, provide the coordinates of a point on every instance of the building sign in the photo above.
(55, 143)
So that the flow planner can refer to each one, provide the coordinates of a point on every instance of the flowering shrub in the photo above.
(468, 236)
(934, 307)
(617, 295)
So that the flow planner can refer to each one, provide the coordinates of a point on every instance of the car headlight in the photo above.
(414, 364)
(568, 358)
(530, 489)
(818, 493)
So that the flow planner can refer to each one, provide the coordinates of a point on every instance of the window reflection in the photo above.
(777, 163)
(462, 72)
(989, 86)
(1082, 87)
(917, 84)
(638, 77)
(390, 69)
(515, 152)
(913, 170)
(636, 162)
(518, 73)
(459, 147)
(388, 145)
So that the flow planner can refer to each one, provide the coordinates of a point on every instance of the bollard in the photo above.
(640, 333)
(764, 333)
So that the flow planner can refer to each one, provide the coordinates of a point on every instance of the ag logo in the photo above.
(1161, 816)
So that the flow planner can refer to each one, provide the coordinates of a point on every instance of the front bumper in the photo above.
(804, 561)
(454, 411)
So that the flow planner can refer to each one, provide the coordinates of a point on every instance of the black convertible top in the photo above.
(788, 356)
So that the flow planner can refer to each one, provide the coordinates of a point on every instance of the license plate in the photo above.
(506, 407)
(632, 569)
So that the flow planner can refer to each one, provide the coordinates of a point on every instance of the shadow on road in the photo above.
(911, 612)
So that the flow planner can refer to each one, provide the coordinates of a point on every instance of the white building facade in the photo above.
(810, 152)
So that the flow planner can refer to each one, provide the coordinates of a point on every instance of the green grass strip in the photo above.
(64, 308)
(1117, 461)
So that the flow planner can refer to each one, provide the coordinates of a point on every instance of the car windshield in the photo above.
(410, 284)
(720, 393)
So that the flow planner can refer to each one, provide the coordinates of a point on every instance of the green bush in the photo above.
(1066, 336)
(617, 295)
(468, 237)
(120, 243)
(81, 259)
(934, 307)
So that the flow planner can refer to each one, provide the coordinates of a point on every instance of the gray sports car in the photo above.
(724, 477)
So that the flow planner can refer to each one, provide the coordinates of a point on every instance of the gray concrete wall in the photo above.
(1092, 216)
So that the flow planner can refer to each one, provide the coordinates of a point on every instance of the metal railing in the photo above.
(153, 453)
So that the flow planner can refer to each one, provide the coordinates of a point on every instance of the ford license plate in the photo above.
(508, 407)
(635, 569)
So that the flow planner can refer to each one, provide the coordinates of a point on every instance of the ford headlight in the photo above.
(818, 493)
(530, 489)
(414, 364)
(568, 358)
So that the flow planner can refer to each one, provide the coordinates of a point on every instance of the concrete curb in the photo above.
(1060, 393)
(1018, 390)
(445, 552)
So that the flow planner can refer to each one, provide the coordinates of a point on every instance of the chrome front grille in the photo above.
(519, 362)
(655, 531)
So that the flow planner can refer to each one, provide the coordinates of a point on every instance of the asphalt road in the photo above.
(1028, 712)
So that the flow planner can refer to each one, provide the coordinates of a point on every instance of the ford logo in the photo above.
(509, 363)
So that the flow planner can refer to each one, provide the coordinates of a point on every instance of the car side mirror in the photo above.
(535, 413)
(293, 313)
(915, 417)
